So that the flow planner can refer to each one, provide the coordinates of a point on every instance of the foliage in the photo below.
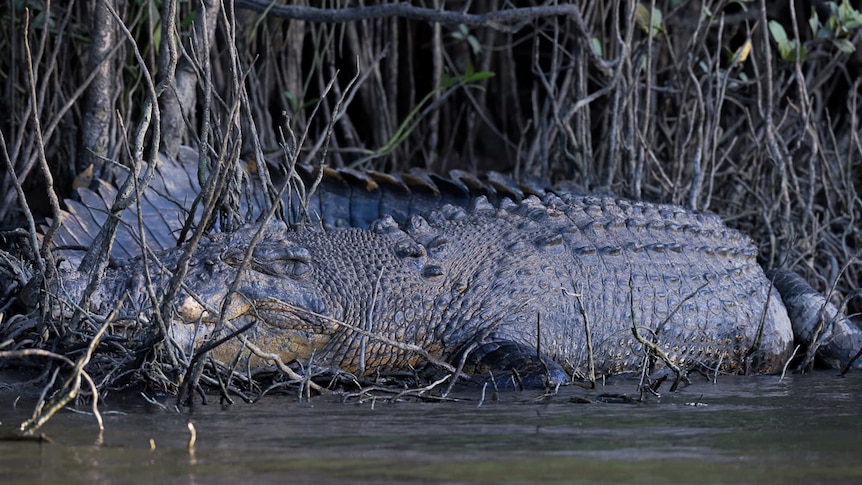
(790, 50)
(841, 24)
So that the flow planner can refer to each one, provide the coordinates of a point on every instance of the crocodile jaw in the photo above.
(274, 328)
(206, 308)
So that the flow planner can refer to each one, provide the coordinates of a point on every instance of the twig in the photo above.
(73, 383)
(398, 345)
(44, 254)
(369, 322)
(460, 368)
(422, 390)
(789, 360)
(591, 363)
(510, 20)
(652, 347)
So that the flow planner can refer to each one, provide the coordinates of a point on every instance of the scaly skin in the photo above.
(345, 198)
(508, 280)
(515, 288)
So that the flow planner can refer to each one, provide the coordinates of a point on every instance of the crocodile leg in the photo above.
(530, 368)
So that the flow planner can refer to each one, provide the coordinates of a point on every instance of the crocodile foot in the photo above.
(525, 364)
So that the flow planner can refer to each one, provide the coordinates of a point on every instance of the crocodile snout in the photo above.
(190, 309)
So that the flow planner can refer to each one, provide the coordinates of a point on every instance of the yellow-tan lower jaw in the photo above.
(276, 328)
(264, 340)
(191, 309)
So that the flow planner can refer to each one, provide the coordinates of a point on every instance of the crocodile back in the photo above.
(344, 198)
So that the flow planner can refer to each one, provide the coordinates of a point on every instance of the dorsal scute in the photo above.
(385, 225)
(481, 206)
(418, 226)
(507, 204)
(579, 221)
(453, 213)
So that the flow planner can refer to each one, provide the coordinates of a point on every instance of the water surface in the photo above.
(803, 429)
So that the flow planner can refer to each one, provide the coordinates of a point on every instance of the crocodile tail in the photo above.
(164, 206)
(817, 323)
(350, 198)
(344, 198)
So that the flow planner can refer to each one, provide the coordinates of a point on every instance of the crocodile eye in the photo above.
(233, 257)
(289, 268)
(290, 261)
(274, 259)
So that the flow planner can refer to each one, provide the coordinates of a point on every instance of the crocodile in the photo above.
(550, 289)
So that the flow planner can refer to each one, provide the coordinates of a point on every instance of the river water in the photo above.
(802, 429)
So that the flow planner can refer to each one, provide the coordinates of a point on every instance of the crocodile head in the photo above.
(276, 287)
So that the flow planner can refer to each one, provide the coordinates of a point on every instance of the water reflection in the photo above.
(741, 430)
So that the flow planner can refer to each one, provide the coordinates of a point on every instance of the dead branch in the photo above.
(509, 20)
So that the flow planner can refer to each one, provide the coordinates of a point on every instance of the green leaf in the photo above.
(844, 45)
(845, 17)
(475, 46)
(852, 24)
(832, 23)
(157, 35)
(787, 47)
(596, 45)
(478, 76)
(849, 14)
(41, 19)
(461, 33)
(778, 34)
(814, 22)
(649, 22)
(790, 55)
